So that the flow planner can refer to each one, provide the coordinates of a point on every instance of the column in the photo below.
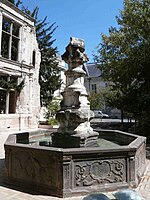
(7, 99)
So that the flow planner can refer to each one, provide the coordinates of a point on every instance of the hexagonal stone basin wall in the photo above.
(32, 163)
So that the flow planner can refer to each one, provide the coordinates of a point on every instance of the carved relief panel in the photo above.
(99, 172)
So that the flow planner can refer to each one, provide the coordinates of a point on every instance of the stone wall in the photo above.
(65, 172)
(25, 68)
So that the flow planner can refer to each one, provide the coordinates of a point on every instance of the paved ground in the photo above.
(7, 193)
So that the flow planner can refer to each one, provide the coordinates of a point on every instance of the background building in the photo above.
(93, 80)
(19, 70)
(94, 83)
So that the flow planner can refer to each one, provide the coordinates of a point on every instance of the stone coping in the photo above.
(131, 148)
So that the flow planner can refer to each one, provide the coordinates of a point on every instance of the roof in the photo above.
(92, 70)
(12, 6)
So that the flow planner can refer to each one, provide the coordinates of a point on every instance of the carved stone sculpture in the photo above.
(75, 114)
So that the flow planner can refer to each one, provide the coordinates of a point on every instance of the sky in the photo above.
(85, 19)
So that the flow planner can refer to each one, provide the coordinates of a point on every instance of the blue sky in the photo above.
(85, 19)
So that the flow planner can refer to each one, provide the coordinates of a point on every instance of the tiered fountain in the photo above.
(74, 116)
(75, 160)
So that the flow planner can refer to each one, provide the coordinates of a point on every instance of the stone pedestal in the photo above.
(75, 114)
(74, 141)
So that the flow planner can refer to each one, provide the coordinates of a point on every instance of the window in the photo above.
(33, 58)
(94, 88)
(2, 101)
(10, 39)
(7, 94)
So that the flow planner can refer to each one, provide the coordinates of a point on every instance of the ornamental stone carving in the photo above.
(100, 172)
(75, 114)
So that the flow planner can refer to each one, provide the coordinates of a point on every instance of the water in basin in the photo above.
(46, 140)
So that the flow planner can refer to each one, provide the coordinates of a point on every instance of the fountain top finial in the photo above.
(75, 53)
(77, 42)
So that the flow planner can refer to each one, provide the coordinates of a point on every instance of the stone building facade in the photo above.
(19, 70)
(93, 80)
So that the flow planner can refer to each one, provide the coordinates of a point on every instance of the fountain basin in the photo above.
(32, 163)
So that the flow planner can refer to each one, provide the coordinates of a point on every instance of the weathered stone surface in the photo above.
(66, 172)
(27, 103)
(74, 115)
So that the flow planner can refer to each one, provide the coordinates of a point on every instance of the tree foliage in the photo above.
(125, 58)
(16, 3)
(49, 77)
(99, 100)
(96, 102)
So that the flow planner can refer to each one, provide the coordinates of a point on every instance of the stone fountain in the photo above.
(74, 160)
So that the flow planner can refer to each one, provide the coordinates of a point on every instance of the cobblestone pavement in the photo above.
(7, 193)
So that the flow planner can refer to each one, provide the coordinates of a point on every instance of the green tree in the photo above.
(12, 1)
(49, 75)
(96, 102)
(16, 3)
(100, 99)
(125, 58)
